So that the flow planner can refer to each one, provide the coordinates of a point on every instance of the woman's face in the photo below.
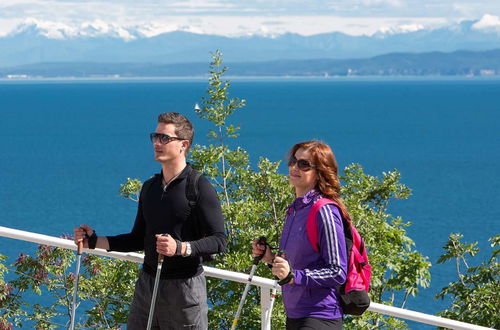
(303, 175)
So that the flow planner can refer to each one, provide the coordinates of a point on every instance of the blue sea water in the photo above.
(66, 146)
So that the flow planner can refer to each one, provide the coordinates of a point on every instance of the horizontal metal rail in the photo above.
(129, 256)
(263, 283)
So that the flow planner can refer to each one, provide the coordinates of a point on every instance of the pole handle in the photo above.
(79, 250)
(262, 241)
(280, 253)
(161, 256)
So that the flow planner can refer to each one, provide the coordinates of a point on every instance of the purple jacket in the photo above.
(317, 275)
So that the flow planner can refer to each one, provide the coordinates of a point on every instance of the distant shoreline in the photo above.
(254, 78)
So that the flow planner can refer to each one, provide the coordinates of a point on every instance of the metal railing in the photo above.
(265, 284)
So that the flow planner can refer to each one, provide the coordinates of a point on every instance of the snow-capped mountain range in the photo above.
(95, 29)
(39, 41)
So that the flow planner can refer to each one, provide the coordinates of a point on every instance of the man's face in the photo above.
(171, 150)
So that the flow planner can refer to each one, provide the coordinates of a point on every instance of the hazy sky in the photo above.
(250, 16)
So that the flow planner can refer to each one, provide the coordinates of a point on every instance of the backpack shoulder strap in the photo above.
(192, 188)
(312, 223)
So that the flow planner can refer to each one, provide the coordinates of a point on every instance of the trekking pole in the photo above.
(75, 290)
(262, 241)
(273, 293)
(155, 288)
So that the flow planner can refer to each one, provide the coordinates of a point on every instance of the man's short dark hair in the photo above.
(183, 127)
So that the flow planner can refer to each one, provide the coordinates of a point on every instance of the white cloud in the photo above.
(154, 29)
(404, 28)
(488, 23)
(389, 3)
(8, 25)
(201, 5)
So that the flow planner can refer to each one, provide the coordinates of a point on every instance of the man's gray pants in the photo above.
(180, 303)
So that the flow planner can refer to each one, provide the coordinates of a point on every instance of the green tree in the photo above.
(11, 311)
(108, 285)
(45, 273)
(252, 203)
(475, 295)
(105, 287)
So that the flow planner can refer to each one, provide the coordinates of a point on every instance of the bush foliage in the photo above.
(475, 294)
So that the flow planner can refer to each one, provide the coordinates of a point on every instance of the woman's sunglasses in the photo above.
(163, 138)
(302, 164)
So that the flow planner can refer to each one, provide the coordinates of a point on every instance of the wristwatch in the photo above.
(188, 250)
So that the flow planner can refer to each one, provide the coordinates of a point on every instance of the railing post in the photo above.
(265, 303)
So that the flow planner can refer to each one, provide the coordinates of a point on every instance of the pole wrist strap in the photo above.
(287, 279)
(92, 240)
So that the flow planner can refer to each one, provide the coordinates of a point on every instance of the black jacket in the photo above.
(167, 211)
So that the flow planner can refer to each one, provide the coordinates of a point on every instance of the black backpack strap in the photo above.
(192, 195)
(192, 187)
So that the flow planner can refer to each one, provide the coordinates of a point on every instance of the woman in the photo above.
(310, 280)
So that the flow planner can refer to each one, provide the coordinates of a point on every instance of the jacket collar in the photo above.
(182, 175)
(308, 199)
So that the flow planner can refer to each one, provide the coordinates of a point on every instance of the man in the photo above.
(195, 230)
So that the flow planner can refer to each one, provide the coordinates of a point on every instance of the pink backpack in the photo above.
(354, 293)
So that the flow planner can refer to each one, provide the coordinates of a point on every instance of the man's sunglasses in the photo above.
(302, 164)
(163, 138)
